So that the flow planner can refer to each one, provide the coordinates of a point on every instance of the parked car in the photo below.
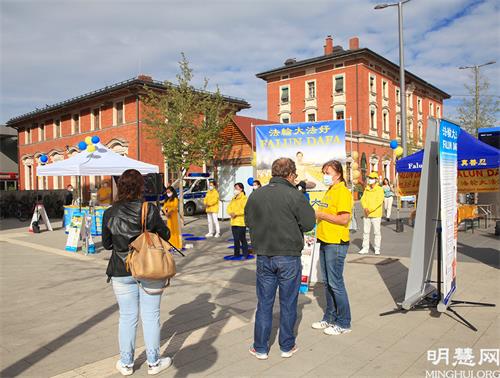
(195, 188)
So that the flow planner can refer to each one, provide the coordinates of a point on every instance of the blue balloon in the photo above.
(394, 144)
(96, 139)
(44, 159)
(250, 181)
(82, 145)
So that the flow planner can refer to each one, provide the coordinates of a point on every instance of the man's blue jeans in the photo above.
(332, 258)
(283, 272)
(130, 299)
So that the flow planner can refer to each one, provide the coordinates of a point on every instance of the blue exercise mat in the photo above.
(195, 238)
(237, 258)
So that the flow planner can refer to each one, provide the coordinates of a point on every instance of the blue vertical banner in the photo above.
(309, 144)
(448, 150)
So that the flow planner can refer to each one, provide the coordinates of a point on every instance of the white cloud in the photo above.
(53, 50)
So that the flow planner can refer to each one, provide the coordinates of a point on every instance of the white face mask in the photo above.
(170, 195)
(255, 187)
(211, 187)
(372, 181)
(327, 180)
(236, 192)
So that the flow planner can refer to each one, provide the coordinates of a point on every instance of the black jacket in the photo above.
(278, 215)
(121, 224)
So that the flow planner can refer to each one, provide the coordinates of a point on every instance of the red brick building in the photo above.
(113, 113)
(360, 86)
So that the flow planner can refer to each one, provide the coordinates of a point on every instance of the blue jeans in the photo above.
(130, 298)
(272, 272)
(332, 258)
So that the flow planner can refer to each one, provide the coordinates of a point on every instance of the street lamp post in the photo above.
(476, 93)
(402, 89)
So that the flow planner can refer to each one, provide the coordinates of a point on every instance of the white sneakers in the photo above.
(290, 353)
(377, 252)
(259, 356)
(163, 364)
(124, 370)
(209, 235)
(335, 330)
(320, 325)
(217, 236)
(363, 252)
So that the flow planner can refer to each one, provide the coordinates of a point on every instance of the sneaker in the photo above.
(209, 235)
(377, 252)
(363, 252)
(123, 369)
(163, 364)
(335, 330)
(290, 353)
(217, 236)
(259, 356)
(320, 325)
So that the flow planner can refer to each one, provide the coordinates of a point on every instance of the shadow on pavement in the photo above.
(18, 367)
(394, 276)
(488, 256)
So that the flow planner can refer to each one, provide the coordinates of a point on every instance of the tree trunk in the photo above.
(181, 194)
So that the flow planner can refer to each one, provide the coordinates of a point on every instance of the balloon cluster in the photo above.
(355, 167)
(44, 159)
(89, 144)
(398, 150)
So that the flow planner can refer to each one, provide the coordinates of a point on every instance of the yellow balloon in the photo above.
(91, 148)
(356, 174)
(88, 140)
(355, 155)
(398, 151)
(355, 165)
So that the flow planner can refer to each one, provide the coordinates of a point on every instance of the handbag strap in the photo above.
(154, 291)
(144, 215)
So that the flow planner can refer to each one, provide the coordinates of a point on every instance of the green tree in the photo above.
(187, 122)
(478, 109)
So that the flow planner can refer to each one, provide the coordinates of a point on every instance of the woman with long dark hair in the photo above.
(171, 210)
(121, 226)
(236, 211)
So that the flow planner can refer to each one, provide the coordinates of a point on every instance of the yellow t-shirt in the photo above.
(104, 196)
(337, 199)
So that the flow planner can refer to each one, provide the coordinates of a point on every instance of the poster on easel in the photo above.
(74, 230)
(88, 245)
(448, 148)
(40, 213)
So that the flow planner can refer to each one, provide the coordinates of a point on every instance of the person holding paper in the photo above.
(372, 203)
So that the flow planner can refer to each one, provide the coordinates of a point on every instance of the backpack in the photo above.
(149, 257)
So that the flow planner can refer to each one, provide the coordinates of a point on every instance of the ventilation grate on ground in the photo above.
(374, 260)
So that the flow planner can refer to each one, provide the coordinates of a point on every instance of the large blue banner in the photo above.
(309, 144)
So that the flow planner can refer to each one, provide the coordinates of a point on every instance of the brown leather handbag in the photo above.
(149, 257)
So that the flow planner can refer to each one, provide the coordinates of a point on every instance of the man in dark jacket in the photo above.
(278, 215)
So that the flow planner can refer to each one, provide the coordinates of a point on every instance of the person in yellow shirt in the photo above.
(211, 202)
(333, 216)
(171, 210)
(104, 194)
(236, 211)
(372, 202)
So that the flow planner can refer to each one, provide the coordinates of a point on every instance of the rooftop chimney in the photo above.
(328, 45)
(145, 78)
(354, 43)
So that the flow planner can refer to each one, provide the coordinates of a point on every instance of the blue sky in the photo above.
(53, 50)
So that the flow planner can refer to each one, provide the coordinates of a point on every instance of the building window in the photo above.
(76, 124)
(398, 126)
(385, 121)
(27, 139)
(96, 119)
(385, 89)
(431, 109)
(420, 132)
(311, 89)
(373, 88)
(28, 178)
(57, 128)
(398, 96)
(438, 111)
(285, 95)
(339, 84)
(410, 100)
(419, 105)
(119, 113)
(339, 114)
(285, 120)
(311, 117)
(373, 118)
(348, 172)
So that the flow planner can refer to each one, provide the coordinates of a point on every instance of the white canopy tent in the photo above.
(101, 162)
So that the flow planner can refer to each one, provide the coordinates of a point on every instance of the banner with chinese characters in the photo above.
(470, 181)
(448, 168)
(309, 144)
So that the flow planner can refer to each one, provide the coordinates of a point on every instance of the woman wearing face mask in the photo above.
(211, 202)
(256, 184)
(236, 211)
(333, 234)
(171, 210)
(372, 203)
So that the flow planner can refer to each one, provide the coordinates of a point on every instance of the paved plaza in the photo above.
(59, 317)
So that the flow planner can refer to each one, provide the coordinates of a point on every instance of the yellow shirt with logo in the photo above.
(338, 199)
(237, 207)
(373, 200)
(211, 201)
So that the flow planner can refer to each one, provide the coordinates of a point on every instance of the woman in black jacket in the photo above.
(121, 225)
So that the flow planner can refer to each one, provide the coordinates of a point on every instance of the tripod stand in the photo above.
(434, 299)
